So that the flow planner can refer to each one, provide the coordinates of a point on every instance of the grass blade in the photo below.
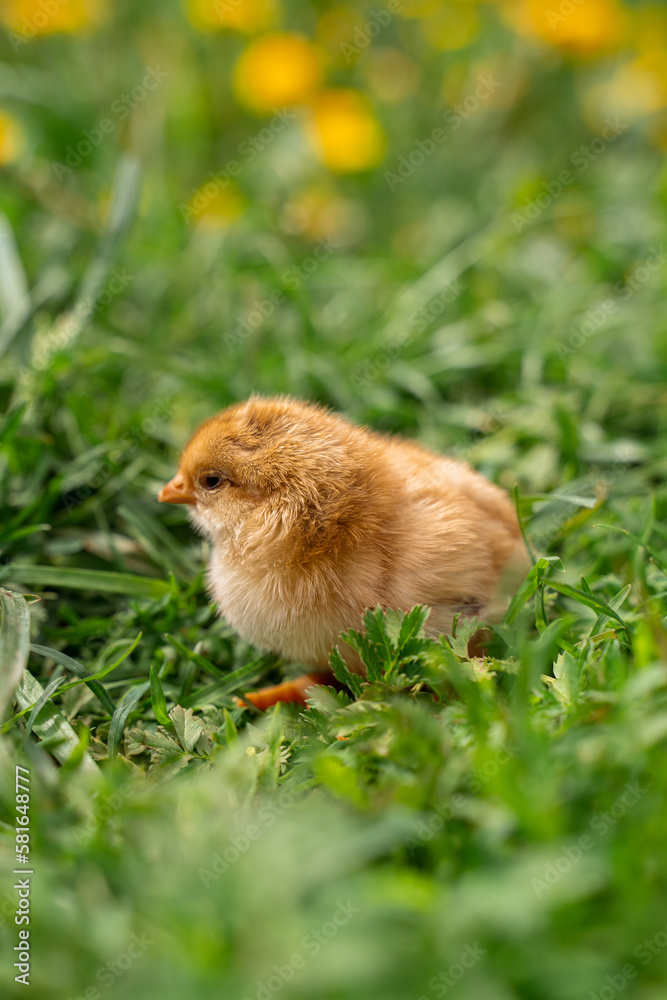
(526, 590)
(14, 289)
(517, 507)
(124, 199)
(41, 701)
(230, 683)
(51, 725)
(158, 700)
(123, 656)
(11, 423)
(120, 716)
(100, 581)
(201, 661)
(589, 600)
(14, 643)
(83, 672)
(638, 541)
(572, 498)
(18, 533)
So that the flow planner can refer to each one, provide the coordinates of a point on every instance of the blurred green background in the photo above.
(446, 219)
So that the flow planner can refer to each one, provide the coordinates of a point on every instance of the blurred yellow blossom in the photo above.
(28, 18)
(639, 85)
(222, 210)
(646, 75)
(649, 27)
(246, 16)
(420, 8)
(319, 212)
(658, 133)
(452, 27)
(12, 138)
(277, 70)
(214, 205)
(584, 27)
(335, 27)
(390, 74)
(638, 88)
(468, 85)
(345, 132)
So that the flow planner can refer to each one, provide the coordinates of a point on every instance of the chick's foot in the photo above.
(295, 690)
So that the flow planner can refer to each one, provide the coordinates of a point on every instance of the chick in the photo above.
(312, 520)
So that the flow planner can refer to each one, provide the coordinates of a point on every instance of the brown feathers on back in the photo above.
(312, 520)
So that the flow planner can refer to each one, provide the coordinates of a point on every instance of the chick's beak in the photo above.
(176, 492)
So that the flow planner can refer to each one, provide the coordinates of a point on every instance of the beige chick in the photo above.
(312, 520)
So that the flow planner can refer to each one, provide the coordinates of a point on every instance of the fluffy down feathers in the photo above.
(312, 520)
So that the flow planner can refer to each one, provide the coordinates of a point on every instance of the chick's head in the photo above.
(268, 464)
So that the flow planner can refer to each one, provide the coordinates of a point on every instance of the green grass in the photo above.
(481, 828)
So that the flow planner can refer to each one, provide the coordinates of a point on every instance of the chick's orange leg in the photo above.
(295, 690)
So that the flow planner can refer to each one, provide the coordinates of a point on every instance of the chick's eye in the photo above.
(211, 480)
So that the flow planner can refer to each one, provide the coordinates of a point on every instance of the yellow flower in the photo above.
(335, 31)
(12, 139)
(320, 213)
(649, 28)
(344, 131)
(390, 75)
(639, 88)
(214, 205)
(452, 27)
(277, 70)
(28, 18)
(222, 210)
(585, 27)
(658, 133)
(246, 16)
(420, 8)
